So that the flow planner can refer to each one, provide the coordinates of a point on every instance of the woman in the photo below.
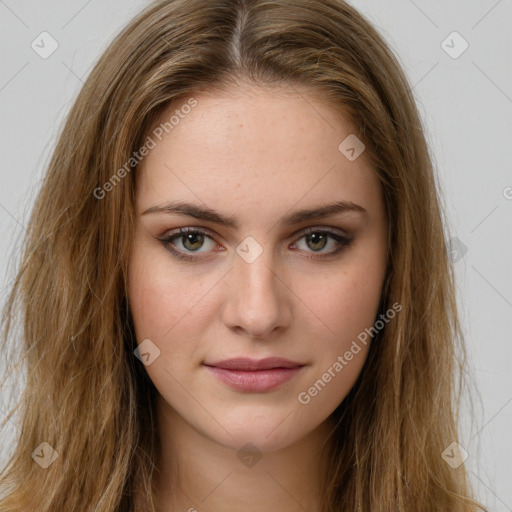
(304, 358)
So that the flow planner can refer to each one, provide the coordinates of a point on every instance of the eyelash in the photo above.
(178, 233)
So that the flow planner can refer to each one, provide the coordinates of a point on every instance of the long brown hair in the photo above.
(85, 393)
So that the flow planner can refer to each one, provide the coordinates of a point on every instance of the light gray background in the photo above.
(466, 104)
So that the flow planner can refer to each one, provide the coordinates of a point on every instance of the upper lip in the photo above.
(243, 363)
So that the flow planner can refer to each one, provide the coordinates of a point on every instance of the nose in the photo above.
(257, 298)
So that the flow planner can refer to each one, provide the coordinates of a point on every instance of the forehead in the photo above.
(253, 147)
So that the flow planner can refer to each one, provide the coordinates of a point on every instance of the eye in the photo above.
(193, 240)
(318, 239)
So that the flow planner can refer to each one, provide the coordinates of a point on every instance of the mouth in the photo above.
(252, 375)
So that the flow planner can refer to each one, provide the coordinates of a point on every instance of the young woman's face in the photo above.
(272, 282)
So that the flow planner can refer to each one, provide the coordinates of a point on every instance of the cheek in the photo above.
(345, 309)
(347, 306)
(155, 306)
(159, 297)
(345, 301)
(149, 299)
(168, 305)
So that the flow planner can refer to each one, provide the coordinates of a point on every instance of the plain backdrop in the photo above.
(465, 98)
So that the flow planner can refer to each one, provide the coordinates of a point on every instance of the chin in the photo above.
(249, 438)
(267, 432)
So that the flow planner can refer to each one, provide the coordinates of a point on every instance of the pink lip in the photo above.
(254, 375)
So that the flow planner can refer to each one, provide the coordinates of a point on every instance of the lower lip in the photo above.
(254, 380)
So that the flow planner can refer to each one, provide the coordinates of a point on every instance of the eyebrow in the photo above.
(207, 214)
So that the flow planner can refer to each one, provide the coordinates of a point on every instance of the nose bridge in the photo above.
(257, 275)
(256, 297)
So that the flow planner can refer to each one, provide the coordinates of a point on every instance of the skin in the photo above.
(255, 154)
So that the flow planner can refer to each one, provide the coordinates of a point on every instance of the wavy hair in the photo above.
(85, 393)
